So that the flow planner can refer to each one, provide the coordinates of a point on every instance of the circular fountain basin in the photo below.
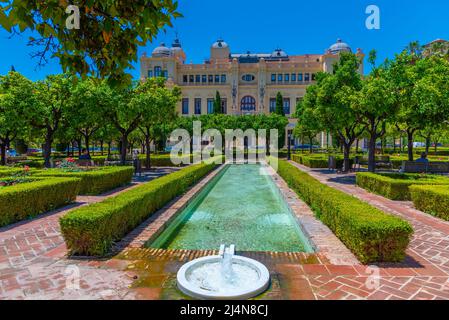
(202, 279)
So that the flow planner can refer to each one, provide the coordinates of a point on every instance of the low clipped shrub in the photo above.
(91, 230)
(431, 199)
(371, 234)
(318, 161)
(162, 160)
(7, 171)
(96, 181)
(395, 186)
(29, 199)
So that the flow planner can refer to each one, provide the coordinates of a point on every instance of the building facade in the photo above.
(247, 82)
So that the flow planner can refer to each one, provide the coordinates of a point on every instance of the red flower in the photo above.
(71, 160)
(26, 168)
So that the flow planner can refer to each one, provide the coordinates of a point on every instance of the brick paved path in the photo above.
(424, 274)
(33, 263)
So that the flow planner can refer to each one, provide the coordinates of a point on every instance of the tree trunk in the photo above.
(357, 146)
(87, 142)
(3, 154)
(346, 153)
(79, 143)
(372, 153)
(436, 147)
(124, 148)
(147, 152)
(102, 147)
(428, 144)
(410, 145)
(109, 149)
(47, 148)
(311, 146)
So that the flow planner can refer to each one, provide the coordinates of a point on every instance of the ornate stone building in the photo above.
(247, 82)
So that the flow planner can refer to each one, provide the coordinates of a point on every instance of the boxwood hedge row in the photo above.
(371, 234)
(318, 161)
(29, 199)
(96, 181)
(431, 199)
(91, 230)
(395, 186)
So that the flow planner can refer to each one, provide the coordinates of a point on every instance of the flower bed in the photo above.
(25, 200)
(94, 181)
(395, 186)
(92, 230)
(371, 234)
(431, 199)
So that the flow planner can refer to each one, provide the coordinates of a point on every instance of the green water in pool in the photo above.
(241, 206)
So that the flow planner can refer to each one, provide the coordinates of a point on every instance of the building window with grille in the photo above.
(313, 76)
(211, 78)
(248, 103)
(223, 78)
(300, 78)
(293, 77)
(210, 106)
(272, 105)
(217, 78)
(287, 105)
(165, 74)
(273, 77)
(185, 79)
(157, 71)
(204, 78)
(307, 77)
(280, 77)
(198, 106)
(197, 78)
(191, 79)
(287, 77)
(185, 106)
(224, 106)
(150, 73)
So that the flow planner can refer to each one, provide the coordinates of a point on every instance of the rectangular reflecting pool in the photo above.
(239, 206)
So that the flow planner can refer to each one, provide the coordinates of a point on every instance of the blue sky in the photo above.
(296, 26)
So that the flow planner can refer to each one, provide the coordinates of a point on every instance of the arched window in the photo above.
(248, 104)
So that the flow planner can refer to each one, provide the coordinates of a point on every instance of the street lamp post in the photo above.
(289, 155)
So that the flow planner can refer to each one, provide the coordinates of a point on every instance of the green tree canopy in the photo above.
(106, 43)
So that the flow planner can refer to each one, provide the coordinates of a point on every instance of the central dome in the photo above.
(340, 46)
(161, 51)
(279, 53)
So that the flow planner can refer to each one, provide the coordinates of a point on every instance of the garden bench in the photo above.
(420, 167)
(16, 159)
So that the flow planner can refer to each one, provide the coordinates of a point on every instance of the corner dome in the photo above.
(340, 46)
(219, 44)
(161, 51)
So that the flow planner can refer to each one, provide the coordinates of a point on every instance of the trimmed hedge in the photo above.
(6, 171)
(97, 181)
(318, 161)
(161, 160)
(395, 186)
(29, 199)
(431, 199)
(371, 234)
(91, 230)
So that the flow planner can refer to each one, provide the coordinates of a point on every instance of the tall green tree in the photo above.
(217, 104)
(335, 109)
(109, 33)
(16, 97)
(421, 88)
(83, 113)
(160, 105)
(279, 105)
(375, 104)
(52, 100)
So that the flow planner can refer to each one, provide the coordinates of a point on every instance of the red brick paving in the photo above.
(33, 265)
